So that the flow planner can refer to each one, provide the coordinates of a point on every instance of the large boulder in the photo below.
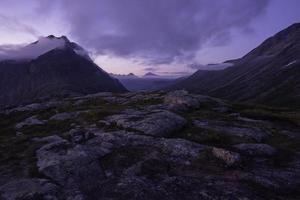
(181, 100)
(63, 116)
(156, 123)
(229, 157)
(76, 168)
(31, 121)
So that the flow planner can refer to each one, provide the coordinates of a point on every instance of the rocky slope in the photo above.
(269, 74)
(62, 69)
(148, 146)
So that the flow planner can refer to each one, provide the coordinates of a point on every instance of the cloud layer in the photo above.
(156, 31)
(31, 51)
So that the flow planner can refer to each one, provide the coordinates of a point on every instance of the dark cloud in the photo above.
(12, 24)
(158, 31)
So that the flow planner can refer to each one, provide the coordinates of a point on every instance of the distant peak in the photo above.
(150, 74)
(51, 37)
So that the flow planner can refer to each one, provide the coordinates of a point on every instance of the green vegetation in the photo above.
(281, 141)
(208, 163)
(268, 113)
(203, 136)
(93, 116)
(210, 114)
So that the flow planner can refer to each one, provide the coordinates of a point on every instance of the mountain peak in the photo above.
(150, 74)
(63, 37)
(51, 37)
(42, 46)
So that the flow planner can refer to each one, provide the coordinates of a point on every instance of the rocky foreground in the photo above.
(148, 146)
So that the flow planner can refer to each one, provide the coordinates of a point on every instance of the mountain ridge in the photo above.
(258, 77)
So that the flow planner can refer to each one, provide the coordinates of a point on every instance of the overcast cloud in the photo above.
(132, 35)
(156, 31)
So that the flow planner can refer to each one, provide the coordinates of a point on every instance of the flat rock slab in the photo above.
(229, 157)
(76, 168)
(31, 121)
(181, 100)
(156, 123)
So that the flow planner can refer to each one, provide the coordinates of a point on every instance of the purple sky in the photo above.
(163, 36)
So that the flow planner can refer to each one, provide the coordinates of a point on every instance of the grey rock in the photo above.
(80, 136)
(177, 149)
(76, 168)
(36, 106)
(30, 107)
(29, 189)
(230, 158)
(155, 123)
(143, 160)
(31, 121)
(181, 100)
(63, 116)
(48, 139)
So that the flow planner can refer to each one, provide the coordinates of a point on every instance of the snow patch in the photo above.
(290, 64)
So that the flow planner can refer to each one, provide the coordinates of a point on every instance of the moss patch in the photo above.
(203, 136)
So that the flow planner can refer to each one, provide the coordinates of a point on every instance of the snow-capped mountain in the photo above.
(51, 66)
(40, 47)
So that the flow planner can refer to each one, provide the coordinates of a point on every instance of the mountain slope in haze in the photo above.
(269, 74)
(64, 70)
(148, 82)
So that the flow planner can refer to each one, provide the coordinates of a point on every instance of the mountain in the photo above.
(269, 74)
(150, 74)
(148, 82)
(51, 67)
(124, 76)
